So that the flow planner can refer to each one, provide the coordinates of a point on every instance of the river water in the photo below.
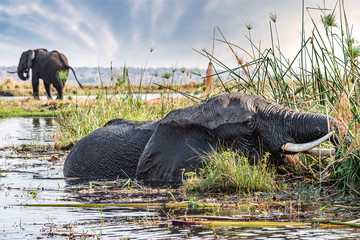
(32, 174)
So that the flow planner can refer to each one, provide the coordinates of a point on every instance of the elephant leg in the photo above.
(60, 93)
(59, 88)
(35, 85)
(48, 90)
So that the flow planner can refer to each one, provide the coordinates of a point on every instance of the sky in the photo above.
(98, 32)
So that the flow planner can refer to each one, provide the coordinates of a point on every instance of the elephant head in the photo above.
(243, 122)
(25, 63)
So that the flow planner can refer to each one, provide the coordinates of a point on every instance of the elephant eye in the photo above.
(250, 123)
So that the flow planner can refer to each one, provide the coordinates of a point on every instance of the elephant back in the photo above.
(109, 152)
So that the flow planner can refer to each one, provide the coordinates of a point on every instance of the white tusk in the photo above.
(303, 147)
(323, 152)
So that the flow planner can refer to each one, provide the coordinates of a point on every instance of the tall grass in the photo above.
(229, 171)
(83, 117)
(328, 66)
(324, 70)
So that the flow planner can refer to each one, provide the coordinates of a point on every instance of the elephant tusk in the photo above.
(303, 147)
(13, 72)
(323, 152)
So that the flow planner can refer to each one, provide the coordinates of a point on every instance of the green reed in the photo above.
(324, 70)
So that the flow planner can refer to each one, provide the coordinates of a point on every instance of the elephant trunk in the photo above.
(313, 126)
(21, 74)
(306, 130)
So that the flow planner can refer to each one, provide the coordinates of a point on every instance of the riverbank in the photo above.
(18, 100)
(9, 87)
(28, 107)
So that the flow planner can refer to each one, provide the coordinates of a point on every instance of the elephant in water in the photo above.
(45, 65)
(156, 152)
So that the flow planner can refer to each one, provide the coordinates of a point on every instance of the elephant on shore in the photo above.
(156, 152)
(46, 66)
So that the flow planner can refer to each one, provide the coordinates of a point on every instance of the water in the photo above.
(19, 130)
(31, 174)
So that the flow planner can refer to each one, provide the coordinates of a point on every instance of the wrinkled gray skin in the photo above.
(44, 65)
(156, 152)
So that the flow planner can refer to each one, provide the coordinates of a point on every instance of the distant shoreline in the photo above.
(95, 75)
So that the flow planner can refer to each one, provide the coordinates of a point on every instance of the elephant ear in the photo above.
(30, 57)
(172, 148)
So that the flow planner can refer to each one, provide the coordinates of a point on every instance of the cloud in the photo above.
(136, 8)
(157, 8)
(97, 31)
(59, 24)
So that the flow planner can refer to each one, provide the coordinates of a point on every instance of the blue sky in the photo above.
(96, 32)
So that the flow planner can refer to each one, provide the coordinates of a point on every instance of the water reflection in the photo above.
(17, 131)
(49, 122)
(36, 122)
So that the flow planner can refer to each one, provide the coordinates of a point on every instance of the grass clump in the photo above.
(229, 171)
